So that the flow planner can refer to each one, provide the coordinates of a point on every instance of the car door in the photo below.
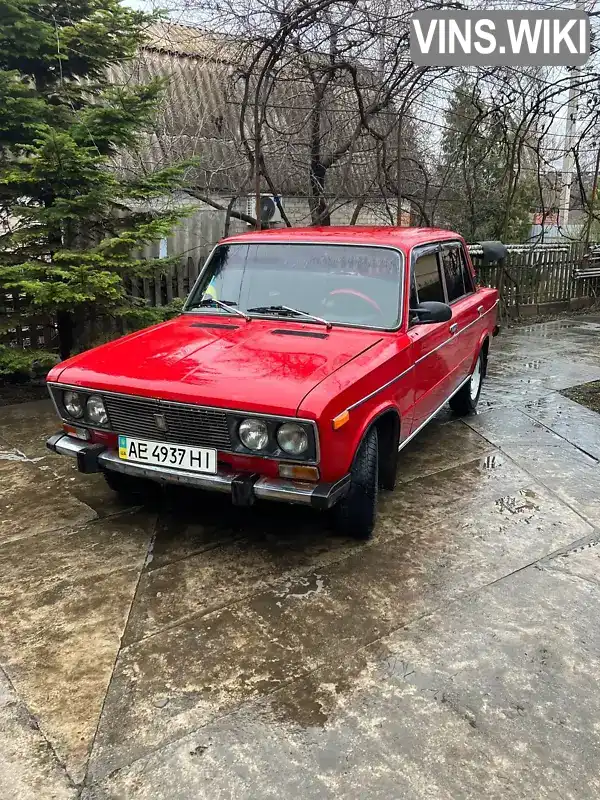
(431, 355)
(460, 294)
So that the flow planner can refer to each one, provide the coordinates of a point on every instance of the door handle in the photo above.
(454, 328)
(480, 309)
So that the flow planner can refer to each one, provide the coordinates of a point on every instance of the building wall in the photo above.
(374, 212)
(197, 234)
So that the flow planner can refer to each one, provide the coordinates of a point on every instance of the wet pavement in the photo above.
(188, 649)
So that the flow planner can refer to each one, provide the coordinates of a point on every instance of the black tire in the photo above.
(127, 487)
(465, 401)
(355, 513)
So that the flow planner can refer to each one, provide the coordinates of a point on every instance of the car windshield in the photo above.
(341, 284)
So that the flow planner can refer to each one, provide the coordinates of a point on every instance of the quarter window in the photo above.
(459, 281)
(428, 279)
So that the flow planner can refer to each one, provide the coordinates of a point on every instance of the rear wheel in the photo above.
(127, 487)
(466, 399)
(355, 513)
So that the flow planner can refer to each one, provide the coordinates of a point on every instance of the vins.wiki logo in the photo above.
(495, 38)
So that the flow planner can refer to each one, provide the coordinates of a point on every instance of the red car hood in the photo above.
(253, 366)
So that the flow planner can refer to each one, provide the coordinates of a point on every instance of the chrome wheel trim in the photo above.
(475, 383)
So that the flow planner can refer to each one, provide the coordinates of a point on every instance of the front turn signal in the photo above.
(75, 430)
(298, 472)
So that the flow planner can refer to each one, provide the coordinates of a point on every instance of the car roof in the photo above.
(392, 236)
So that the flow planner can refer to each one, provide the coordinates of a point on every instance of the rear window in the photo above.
(459, 281)
(428, 278)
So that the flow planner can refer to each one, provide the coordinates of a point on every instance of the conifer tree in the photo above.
(70, 217)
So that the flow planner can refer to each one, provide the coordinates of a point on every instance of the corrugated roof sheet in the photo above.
(200, 112)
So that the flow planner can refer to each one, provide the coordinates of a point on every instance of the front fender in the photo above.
(338, 447)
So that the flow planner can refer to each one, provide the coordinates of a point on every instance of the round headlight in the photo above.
(253, 434)
(292, 438)
(95, 411)
(73, 404)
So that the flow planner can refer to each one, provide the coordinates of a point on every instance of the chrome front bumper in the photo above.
(243, 487)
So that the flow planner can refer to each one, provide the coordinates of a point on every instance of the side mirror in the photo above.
(430, 311)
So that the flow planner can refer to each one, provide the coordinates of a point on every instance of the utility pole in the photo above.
(399, 167)
(567, 165)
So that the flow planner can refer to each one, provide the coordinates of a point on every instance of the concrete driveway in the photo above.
(192, 650)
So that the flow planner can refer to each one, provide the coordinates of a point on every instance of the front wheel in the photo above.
(466, 399)
(355, 513)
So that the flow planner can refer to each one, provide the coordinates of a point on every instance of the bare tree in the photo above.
(321, 101)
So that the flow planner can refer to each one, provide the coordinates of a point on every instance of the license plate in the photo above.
(178, 456)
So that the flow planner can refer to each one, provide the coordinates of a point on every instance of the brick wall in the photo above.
(197, 234)
(374, 212)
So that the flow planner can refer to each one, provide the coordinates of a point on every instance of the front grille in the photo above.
(191, 425)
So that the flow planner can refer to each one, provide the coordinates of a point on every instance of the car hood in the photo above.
(262, 365)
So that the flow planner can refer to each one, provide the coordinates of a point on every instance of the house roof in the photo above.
(200, 116)
(193, 41)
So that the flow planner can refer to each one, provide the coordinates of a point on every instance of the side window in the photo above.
(466, 271)
(428, 278)
(414, 299)
(458, 277)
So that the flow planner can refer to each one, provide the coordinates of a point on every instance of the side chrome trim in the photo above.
(480, 317)
(435, 349)
(431, 416)
(381, 388)
(54, 403)
(418, 361)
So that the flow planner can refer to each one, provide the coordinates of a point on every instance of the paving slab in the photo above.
(578, 425)
(213, 661)
(486, 698)
(27, 426)
(64, 603)
(581, 559)
(438, 447)
(32, 502)
(572, 474)
(555, 371)
(29, 769)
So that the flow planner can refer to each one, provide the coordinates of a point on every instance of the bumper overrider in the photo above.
(242, 486)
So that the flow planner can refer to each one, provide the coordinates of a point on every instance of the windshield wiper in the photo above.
(293, 311)
(228, 305)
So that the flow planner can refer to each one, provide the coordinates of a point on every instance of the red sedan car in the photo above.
(303, 361)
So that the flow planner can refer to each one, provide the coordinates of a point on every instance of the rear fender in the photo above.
(484, 344)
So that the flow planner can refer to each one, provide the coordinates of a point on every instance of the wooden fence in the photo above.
(530, 281)
(533, 278)
(38, 332)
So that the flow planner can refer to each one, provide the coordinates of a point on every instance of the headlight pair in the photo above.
(91, 408)
(291, 437)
